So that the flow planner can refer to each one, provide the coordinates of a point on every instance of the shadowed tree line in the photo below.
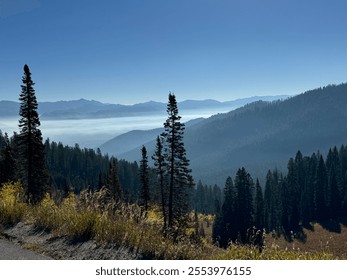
(313, 190)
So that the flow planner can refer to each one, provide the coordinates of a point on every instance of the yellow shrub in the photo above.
(46, 214)
(12, 208)
(75, 222)
(154, 216)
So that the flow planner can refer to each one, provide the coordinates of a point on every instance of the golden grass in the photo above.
(92, 216)
(318, 239)
(245, 252)
(12, 208)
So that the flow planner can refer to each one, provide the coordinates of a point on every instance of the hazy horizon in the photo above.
(125, 52)
(151, 100)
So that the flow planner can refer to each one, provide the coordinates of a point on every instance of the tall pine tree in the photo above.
(273, 198)
(113, 184)
(7, 161)
(144, 179)
(334, 197)
(180, 180)
(259, 207)
(244, 205)
(159, 164)
(320, 192)
(32, 167)
(225, 227)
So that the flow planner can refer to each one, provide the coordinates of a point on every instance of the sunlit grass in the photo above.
(12, 208)
(245, 252)
(91, 215)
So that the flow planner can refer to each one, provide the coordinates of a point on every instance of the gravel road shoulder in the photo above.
(46, 244)
(13, 251)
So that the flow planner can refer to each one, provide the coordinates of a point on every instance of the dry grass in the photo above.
(93, 216)
(318, 239)
(12, 208)
(242, 252)
(90, 216)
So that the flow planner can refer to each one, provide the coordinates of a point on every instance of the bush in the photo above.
(76, 222)
(65, 220)
(46, 214)
(12, 207)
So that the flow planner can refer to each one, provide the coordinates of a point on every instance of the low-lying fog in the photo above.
(92, 133)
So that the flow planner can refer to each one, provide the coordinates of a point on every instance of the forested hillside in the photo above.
(263, 134)
(132, 141)
(75, 169)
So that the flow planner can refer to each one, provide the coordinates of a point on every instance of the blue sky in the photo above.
(130, 51)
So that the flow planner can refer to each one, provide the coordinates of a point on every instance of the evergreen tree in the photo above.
(33, 172)
(295, 184)
(273, 197)
(236, 219)
(200, 198)
(320, 192)
(160, 165)
(244, 205)
(144, 179)
(101, 181)
(113, 184)
(225, 227)
(307, 197)
(217, 196)
(180, 181)
(7, 161)
(343, 168)
(334, 195)
(259, 207)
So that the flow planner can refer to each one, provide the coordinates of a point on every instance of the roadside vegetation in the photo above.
(91, 216)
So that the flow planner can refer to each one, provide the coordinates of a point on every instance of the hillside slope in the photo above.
(133, 140)
(263, 135)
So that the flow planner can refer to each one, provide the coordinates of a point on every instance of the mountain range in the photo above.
(261, 135)
(91, 109)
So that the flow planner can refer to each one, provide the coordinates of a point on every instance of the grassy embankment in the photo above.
(87, 216)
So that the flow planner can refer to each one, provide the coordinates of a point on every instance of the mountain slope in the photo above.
(133, 140)
(263, 135)
(129, 141)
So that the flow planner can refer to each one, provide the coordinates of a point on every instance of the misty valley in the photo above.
(91, 133)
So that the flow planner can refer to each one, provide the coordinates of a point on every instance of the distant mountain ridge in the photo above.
(263, 135)
(91, 109)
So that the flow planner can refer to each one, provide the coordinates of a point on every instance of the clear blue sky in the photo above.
(129, 51)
